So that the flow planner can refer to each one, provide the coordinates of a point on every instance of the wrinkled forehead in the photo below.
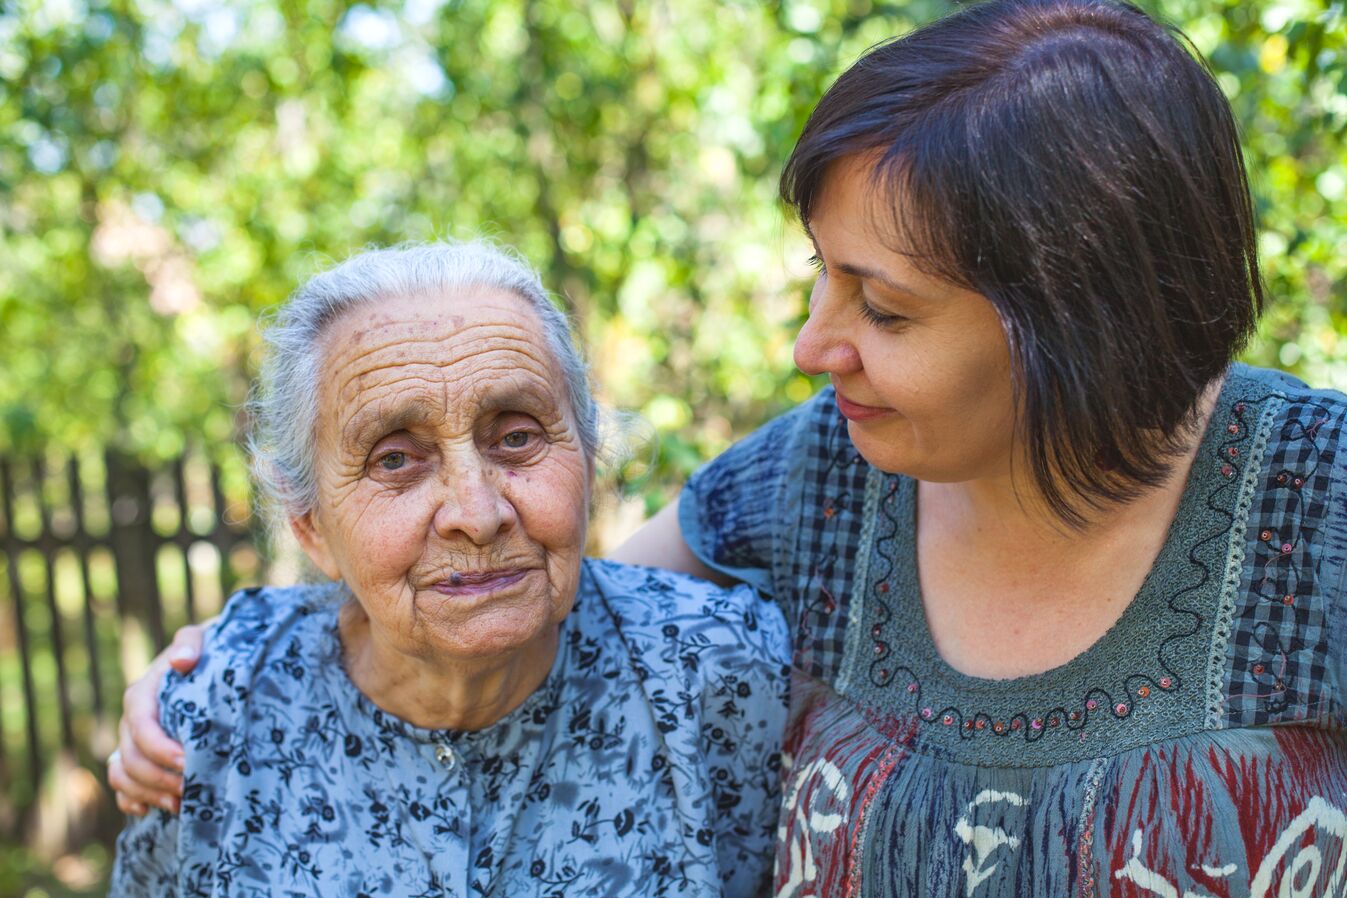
(454, 355)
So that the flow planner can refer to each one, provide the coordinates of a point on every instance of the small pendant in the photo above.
(445, 755)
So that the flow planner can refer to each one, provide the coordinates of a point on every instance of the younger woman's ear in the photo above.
(312, 541)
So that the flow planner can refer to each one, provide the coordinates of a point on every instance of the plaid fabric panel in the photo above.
(782, 510)
(1278, 653)
(824, 537)
(734, 504)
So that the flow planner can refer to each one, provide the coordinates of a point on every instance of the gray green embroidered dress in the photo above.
(1197, 749)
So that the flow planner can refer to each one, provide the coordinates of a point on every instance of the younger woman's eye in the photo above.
(393, 461)
(816, 262)
(879, 319)
(516, 439)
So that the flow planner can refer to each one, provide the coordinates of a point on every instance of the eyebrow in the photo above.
(365, 423)
(869, 274)
(378, 422)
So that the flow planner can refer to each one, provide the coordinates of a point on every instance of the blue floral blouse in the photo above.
(646, 764)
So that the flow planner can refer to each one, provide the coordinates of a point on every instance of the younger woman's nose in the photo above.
(823, 345)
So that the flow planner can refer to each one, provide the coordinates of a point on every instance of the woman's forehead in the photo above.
(368, 416)
(439, 329)
(459, 351)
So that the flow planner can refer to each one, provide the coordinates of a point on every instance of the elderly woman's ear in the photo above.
(315, 546)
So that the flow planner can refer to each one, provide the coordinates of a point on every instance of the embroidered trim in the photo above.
(1234, 560)
(1085, 845)
(874, 480)
(1279, 649)
(1137, 686)
(860, 833)
(882, 670)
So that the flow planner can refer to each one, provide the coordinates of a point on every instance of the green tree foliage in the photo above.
(170, 170)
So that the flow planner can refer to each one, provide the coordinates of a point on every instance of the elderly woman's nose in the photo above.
(472, 505)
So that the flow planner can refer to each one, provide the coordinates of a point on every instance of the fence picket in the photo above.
(16, 596)
(82, 545)
(134, 545)
(55, 628)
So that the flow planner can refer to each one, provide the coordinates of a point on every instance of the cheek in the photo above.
(954, 403)
(904, 373)
(388, 530)
(552, 503)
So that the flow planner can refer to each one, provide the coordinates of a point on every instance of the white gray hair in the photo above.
(284, 401)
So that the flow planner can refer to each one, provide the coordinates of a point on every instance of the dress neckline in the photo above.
(535, 708)
(1149, 598)
(1144, 677)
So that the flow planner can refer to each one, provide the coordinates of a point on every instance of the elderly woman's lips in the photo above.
(478, 582)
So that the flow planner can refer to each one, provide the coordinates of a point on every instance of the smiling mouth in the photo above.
(854, 411)
(476, 583)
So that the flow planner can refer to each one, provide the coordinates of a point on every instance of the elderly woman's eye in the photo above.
(516, 439)
(392, 461)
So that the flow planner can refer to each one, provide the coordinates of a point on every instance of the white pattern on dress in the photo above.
(809, 818)
(984, 840)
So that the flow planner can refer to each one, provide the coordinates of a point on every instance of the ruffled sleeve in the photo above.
(158, 854)
(736, 512)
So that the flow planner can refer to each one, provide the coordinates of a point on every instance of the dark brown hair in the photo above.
(1072, 161)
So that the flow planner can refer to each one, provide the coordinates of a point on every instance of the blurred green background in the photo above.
(170, 170)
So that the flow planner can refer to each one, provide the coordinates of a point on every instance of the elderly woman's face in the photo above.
(453, 488)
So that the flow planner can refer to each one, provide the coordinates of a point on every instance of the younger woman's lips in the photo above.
(854, 411)
(478, 583)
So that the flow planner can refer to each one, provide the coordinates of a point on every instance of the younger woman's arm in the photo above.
(659, 543)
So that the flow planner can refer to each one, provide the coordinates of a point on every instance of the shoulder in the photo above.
(1272, 380)
(1300, 430)
(742, 512)
(672, 618)
(810, 430)
(1284, 656)
(806, 453)
(262, 633)
(257, 623)
(1297, 411)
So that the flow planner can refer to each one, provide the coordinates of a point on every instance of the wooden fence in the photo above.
(102, 559)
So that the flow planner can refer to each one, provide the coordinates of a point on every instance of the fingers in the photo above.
(141, 736)
(185, 650)
(127, 772)
(145, 770)
(130, 808)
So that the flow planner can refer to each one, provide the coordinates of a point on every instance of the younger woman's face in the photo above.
(921, 367)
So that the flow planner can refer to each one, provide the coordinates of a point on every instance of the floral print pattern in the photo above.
(648, 762)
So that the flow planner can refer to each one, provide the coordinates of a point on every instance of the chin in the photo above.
(882, 448)
(495, 632)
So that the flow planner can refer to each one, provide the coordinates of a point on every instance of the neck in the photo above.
(430, 691)
(1010, 508)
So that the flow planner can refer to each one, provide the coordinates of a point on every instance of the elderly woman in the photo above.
(468, 707)
(1068, 589)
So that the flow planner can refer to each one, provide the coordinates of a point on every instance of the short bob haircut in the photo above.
(1074, 163)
